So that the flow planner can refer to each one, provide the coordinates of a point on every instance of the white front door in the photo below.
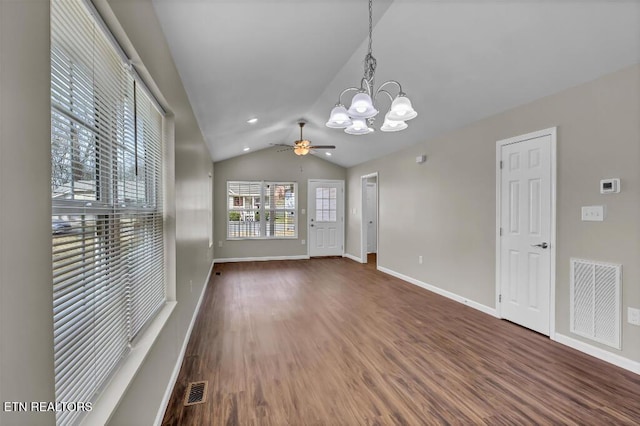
(326, 217)
(372, 217)
(526, 230)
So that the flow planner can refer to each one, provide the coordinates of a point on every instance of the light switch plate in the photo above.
(593, 213)
(633, 316)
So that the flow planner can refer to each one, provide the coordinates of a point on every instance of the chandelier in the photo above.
(359, 118)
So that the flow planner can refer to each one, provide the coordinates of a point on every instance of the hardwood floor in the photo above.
(334, 342)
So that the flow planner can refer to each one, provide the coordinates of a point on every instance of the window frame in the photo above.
(136, 205)
(261, 209)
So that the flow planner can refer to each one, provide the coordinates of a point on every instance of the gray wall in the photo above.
(26, 323)
(267, 164)
(444, 209)
(26, 292)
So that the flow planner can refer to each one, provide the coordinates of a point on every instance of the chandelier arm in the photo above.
(383, 91)
(390, 82)
(369, 87)
(348, 89)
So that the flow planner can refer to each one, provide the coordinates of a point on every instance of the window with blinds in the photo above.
(107, 219)
(261, 210)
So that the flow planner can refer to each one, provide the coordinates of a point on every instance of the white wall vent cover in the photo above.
(595, 301)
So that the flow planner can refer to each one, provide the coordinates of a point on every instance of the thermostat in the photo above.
(609, 186)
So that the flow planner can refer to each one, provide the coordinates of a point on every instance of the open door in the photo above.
(369, 209)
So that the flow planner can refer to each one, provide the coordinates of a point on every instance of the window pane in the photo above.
(326, 204)
(73, 160)
(272, 200)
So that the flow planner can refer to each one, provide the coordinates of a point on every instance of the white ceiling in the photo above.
(458, 61)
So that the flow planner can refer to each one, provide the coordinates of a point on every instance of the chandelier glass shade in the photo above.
(360, 117)
(339, 118)
(392, 125)
(358, 126)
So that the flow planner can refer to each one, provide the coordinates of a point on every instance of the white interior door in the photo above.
(372, 217)
(326, 218)
(526, 231)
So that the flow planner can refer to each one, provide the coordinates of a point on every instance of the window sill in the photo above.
(111, 396)
(261, 238)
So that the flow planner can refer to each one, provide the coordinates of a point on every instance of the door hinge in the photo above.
(499, 298)
(500, 164)
(501, 232)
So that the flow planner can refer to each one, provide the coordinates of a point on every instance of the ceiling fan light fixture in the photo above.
(363, 103)
(301, 150)
(339, 118)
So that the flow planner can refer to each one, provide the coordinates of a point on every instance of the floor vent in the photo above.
(595, 301)
(196, 393)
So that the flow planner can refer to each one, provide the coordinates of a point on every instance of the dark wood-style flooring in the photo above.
(334, 342)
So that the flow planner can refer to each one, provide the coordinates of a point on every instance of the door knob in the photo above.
(541, 245)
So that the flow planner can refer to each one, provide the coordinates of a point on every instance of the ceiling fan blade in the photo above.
(280, 144)
(322, 147)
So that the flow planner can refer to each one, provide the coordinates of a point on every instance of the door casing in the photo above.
(552, 133)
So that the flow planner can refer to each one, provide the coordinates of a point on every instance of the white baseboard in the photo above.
(482, 308)
(352, 257)
(262, 259)
(611, 358)
(183, 350)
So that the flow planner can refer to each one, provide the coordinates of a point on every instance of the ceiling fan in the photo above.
(303, 146)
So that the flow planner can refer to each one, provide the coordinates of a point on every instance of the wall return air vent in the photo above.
(595, 301)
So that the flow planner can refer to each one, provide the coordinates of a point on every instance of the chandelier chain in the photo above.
(370, 25)
(369, 60)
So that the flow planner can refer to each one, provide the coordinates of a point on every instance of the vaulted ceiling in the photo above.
(459, 61)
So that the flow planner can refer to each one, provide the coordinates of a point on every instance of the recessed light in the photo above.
(246, 149)
(252, 120)
(328, 154)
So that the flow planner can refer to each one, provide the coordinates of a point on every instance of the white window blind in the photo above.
(260, 209)
(107, 220)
